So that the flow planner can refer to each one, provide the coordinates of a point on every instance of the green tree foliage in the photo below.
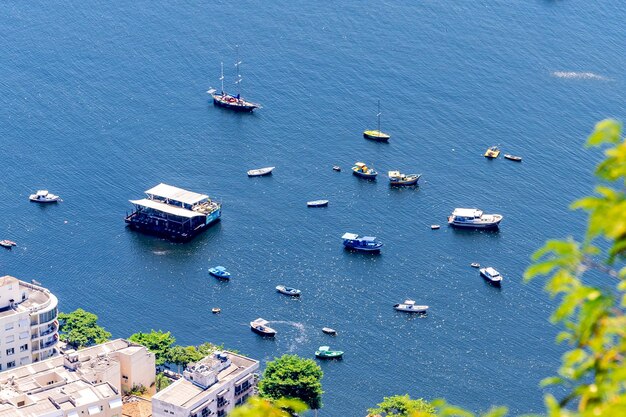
(293, 377)
(401, 406)
(588, 278)
(260, 407)
(80, 329)
(157, 342)
(161, 381)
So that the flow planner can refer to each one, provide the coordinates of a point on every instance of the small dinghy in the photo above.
(409, 307)
(435, 226)
(475, 265)
(329, 331)
(7, 243)
(43, 196)
(513, 157)
(216, 310)
(293, 292)
(260, 172)
(324, 352)
(220, 272)
(336, 168)
(317, 203)
(259, 326)
(491, 275)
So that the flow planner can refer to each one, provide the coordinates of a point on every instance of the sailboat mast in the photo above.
(378, 115)
(222, 77)
(238, 80)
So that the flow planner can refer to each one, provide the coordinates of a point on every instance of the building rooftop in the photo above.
(184, 393)
(59, 383)
(37, 298)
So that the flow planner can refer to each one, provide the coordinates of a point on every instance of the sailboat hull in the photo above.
(236, 105)
(376, 135)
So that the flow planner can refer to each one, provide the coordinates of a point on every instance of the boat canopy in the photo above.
(324, 348)
(42, 193)
(219, 268)
(492, 272)
(368, 239)
(350, 236)
(467, 212)
(360, 165)
(409, 302)
(170, 192)
(166, 208)
(260, 321)
(394, 173)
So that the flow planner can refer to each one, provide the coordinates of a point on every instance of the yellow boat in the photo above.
(492, 152)
(377, 134)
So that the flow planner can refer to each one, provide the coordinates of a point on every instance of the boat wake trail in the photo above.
(579, 75)
(299, 338)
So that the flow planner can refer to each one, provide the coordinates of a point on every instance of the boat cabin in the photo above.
(467, 214)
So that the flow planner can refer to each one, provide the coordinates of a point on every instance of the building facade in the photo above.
(86, 383)
(211, 387)
(29, 329)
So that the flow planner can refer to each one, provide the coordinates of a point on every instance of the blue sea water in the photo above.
(102, 100)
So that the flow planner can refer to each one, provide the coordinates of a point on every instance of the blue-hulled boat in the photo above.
(361, 170)
(365, 243)
(231, 101)
(220, 272)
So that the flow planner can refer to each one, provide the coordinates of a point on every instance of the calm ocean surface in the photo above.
(103, 100)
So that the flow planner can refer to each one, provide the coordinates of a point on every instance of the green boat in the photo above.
(324, 352)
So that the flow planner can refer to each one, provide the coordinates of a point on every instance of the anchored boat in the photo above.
(513, 157)
(396, 178)
(230, 101)
(324, 352)
(491, 275)
(329, 331)
(474, 219)
(376, 135)
(220, 272)
(7, 243)
(317, 203)
(260, 172)
(293, 292)
(43, 196)
(259, 326)
(365, 243)
(409, 306)
(173, 213)
(492, 152)
(361, 170)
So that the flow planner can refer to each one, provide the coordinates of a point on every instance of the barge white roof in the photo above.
(166, 208)
(467, 212)
(178, 194)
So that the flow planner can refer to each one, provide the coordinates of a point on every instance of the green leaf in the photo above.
(606, 131)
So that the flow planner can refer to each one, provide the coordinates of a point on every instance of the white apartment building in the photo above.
(28, 323)
(86, 383)
(211, 387)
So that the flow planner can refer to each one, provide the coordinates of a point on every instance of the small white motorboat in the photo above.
(336, 168)
(216, 310)
(491, 275)
(435, 226)
(7, 243)
(260, 326)
(329, 331)
(43, 196)
(475, 265)
(317, 203)
(260, 172)
(288, 291)
(409, 307)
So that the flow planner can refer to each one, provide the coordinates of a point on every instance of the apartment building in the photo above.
(28, 323)
(86, 383)
(210, 387)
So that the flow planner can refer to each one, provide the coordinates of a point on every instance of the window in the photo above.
(10, 339)
(24, 348)
(24, 335)
(11, 351)
(10, 364)
(8, 326)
